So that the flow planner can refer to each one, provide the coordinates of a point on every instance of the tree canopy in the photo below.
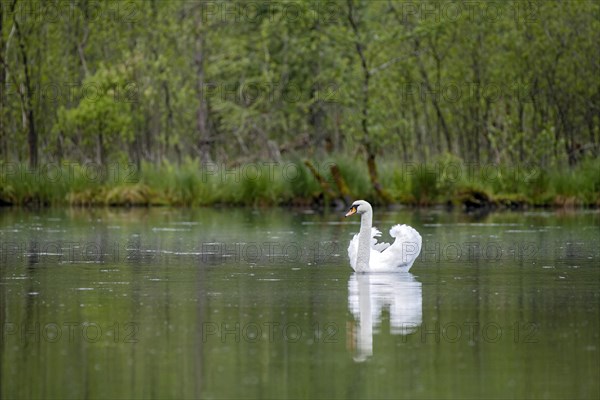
(235, 82)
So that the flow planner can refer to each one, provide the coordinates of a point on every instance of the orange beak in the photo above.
(351, 211)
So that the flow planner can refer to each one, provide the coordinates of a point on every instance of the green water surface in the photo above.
(240, 303)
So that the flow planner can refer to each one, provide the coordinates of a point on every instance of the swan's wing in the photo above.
(409, 237)
(402, 253)
(380, 246)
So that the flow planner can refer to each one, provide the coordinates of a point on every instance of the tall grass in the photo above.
(446, 180)
(355, 174)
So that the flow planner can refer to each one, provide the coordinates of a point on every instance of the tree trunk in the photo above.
(326, 189)
(202, 112)
(383, 195)
(100, 149)
(434, 98)
(3, 141)
(316, 114)
(32, 139)
(340, 182)
(168, 122)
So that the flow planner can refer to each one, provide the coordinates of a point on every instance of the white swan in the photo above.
(366, 255)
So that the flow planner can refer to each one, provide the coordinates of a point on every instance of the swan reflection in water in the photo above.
(369, 295)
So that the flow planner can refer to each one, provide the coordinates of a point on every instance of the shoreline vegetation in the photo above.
(331, 183)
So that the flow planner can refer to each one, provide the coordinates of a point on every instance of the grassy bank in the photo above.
(447, 181)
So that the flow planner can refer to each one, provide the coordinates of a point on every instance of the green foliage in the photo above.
(103, 116)
(513, 84)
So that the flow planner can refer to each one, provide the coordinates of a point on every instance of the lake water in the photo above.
(238, 303)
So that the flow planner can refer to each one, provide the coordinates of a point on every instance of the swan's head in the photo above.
(358, 207)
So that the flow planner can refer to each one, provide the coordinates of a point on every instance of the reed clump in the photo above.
(446, 180)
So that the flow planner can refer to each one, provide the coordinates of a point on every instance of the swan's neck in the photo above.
(364, 242)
